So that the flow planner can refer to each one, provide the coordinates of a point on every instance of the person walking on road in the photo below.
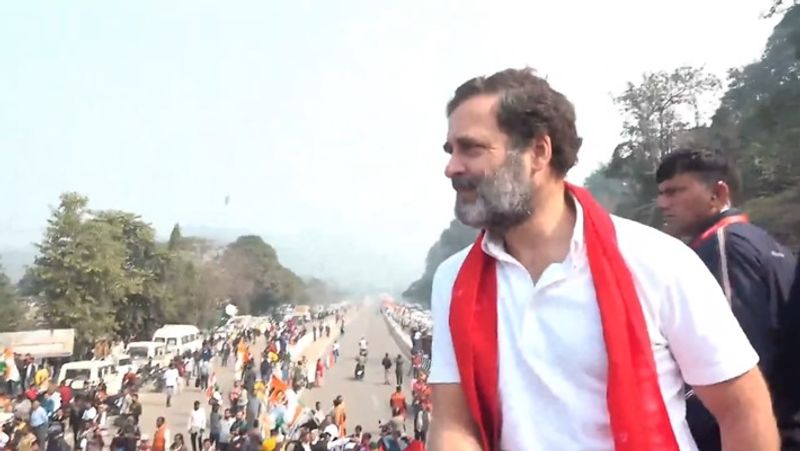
(225, 425)
(135, 408)
(398, 369)
(397, 402)
(171, 377)
(387, 366)
(319, 373)
(203, 373)
(340, 415)
(422, 421)
(266, 368)
(39, 422)
(214, 424)
(335, 351)
(197, 426)
(161, 436)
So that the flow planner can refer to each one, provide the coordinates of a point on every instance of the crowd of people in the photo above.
(264, 398)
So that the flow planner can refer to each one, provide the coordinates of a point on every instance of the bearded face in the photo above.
(496, 201)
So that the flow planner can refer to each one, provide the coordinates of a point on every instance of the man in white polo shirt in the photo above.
(564, 328)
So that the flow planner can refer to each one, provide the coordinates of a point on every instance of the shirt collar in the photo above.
(495, 246)
(715, 219)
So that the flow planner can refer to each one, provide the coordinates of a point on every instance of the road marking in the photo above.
(375, 402)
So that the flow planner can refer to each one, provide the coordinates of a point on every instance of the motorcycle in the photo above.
(363, 353)
(359, 371)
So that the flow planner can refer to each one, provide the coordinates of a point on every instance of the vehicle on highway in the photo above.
(359, 371)
(142, 351)
(125, 363)
(85, 375)
(179, 338)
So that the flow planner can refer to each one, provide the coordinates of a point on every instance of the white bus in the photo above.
(179, 338)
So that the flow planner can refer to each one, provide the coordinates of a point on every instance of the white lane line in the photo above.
(375, 402)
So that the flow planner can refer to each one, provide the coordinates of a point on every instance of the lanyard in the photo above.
(721, 224)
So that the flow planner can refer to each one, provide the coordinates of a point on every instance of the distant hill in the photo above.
(350, 267)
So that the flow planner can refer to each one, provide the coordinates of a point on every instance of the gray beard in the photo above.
(503, 199)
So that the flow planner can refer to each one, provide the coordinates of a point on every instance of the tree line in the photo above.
(104, 273)
(757, 123)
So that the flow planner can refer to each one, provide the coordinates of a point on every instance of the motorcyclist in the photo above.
(362, 346)
(361, 365)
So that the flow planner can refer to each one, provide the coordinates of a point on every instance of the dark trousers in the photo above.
(197, 440)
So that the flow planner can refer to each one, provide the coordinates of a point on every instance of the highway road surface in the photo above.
(367, 400)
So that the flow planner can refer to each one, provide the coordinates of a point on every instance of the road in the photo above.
(367, 401)
(176, 416)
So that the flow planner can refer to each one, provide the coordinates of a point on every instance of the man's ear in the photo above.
(721, 194)
(541, 152)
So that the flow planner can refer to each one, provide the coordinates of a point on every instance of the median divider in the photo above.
(400, 337)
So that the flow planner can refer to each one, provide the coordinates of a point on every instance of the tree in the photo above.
(255, 279)
(193, 291)
(456, 237)
(175, 238)
(79, 274)
(10, 305)
(780, 6)
(103, 274)
(757, 123)
(140, 311)
(659, 115)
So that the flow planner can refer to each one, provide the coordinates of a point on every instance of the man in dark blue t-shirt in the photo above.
(696, 190)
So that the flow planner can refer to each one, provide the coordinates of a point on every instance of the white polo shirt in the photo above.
(553, 361)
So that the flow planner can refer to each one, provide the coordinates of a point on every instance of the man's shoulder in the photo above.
(756, 239)
(447, 271)
(653, 254)
(639, 240)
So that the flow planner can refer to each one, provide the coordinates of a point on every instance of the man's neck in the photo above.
(712, 219)
(545, 237)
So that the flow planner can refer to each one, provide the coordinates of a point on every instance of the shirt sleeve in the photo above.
(703, 335)
(444, 369)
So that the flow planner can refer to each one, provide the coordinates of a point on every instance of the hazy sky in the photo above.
(323, 120)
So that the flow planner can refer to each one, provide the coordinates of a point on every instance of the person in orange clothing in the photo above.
(161, 437)
(398, 401)
(340, 415)
(422, 391)
(319, 373)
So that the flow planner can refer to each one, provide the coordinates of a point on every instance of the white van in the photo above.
(125, 363)
(142, 351)
(179, 338)
(88, 373)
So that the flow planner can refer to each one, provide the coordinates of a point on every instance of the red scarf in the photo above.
(639, 419)
(719, 225)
